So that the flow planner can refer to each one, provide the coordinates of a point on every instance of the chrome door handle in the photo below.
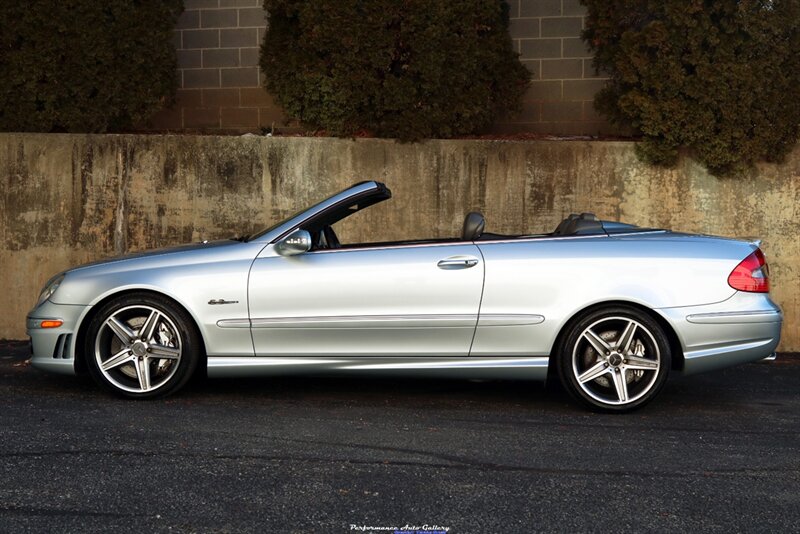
(464, 263)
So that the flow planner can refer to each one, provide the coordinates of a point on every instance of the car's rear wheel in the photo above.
(614, 359)
(142, 346)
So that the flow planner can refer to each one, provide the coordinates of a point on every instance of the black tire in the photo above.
(606, 370)
(160, 355)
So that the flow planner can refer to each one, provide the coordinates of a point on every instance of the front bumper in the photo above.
(745, 328)
(54, 349)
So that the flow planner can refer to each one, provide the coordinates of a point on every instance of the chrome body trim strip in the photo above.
(367, 321)
(233, 323)
(391, 247)
(385, 321)
(519, 319)
(736, 317)
(543, 237)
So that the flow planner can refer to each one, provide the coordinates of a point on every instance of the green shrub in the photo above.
(412, 69)
(720, 78)
(85, 65)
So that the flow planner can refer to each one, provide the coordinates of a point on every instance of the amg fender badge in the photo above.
(222, 301)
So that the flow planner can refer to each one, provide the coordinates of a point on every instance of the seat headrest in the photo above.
(474, 224)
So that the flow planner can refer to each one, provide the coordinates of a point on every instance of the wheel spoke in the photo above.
(164, 352)
(149, 327)
(626, 338)
(637, 362)
(120, 330)
(118, 359)
(620, 385)
(599, 344)
(598, 369)
(143, 373)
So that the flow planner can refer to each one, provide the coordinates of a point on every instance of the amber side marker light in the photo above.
(51, 324)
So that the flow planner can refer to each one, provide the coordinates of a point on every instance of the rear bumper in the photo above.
(745, 328)
(53, 349)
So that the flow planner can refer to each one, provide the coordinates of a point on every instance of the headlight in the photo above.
(50, 288)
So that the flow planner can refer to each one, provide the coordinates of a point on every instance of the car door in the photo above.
(402, 300)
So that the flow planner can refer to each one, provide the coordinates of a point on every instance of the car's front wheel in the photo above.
(142, 346)
(614, 359)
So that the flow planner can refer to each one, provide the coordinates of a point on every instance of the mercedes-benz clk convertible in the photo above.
(609, 309)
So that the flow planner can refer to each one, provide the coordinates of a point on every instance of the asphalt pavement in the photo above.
(716, 452)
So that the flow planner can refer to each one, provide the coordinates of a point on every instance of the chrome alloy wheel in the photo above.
(616, 361)
(138, 349)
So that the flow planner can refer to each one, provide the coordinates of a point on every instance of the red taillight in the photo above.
(751, 274)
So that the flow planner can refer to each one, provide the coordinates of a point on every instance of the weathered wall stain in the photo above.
(68, 199)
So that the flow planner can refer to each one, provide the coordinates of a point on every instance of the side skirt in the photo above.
(531, 368)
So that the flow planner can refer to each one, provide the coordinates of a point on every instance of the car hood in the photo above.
(183, 251)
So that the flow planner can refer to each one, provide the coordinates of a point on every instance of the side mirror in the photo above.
(293, 244)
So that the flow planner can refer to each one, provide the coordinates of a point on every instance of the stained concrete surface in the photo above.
(67, 199)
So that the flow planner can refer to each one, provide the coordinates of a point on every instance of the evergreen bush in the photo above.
(720, 78)
(412, 69)
(85, 65)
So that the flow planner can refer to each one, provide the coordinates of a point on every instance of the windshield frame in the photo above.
(279, 230)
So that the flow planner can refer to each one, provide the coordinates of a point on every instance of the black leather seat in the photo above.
(474, 223)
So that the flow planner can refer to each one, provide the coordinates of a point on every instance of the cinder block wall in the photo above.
(547, 35)
(219, 80)
(220, 83)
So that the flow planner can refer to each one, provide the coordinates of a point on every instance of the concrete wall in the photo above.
(67, 199)
(220, 83)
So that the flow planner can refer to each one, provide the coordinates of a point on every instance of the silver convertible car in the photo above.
(607, 308)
